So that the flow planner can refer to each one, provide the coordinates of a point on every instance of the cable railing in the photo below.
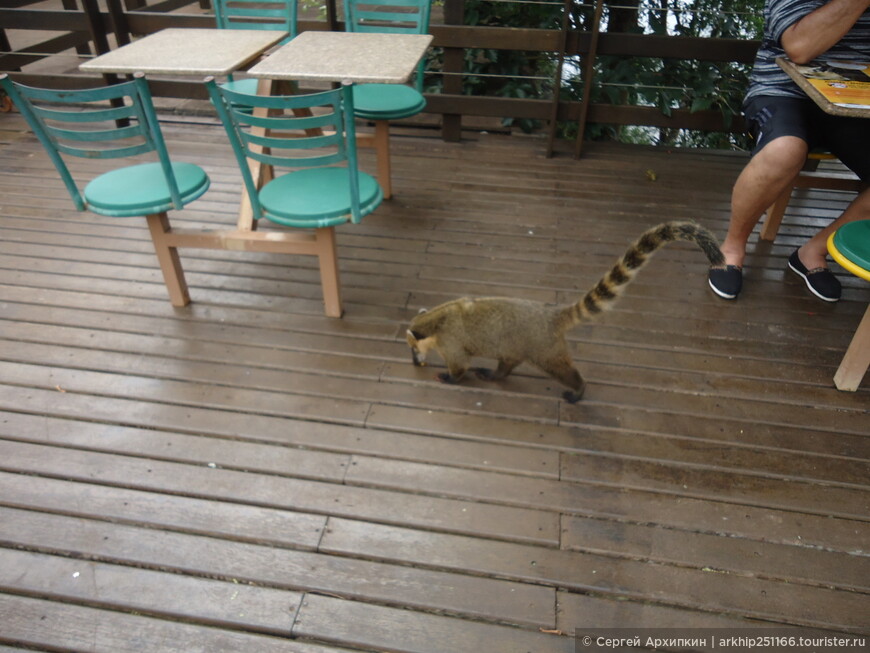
(89, 26)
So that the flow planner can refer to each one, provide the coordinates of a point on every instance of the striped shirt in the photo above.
(767, 77)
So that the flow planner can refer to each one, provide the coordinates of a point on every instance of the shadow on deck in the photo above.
(244, 474)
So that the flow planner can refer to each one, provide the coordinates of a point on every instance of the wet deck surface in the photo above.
(244, 474)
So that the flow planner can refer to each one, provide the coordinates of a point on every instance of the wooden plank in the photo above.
(826, 440)
(38, 623)
(572, 491)
(789, 563)
(256, 390)
(580, 610)
(713, 475)
(183, 393)
(285, 569)
(596, 570)
(786, 493)
(712, 516)
(385, 629)
(287, 493)
(197, 600)
(233, 521)
(158, 444)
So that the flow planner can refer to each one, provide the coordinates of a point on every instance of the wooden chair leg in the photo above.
(857, 358)
(327, 257)
(170, 263)
(774, 215)
(382, 148)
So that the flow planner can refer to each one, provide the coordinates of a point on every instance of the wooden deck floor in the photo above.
(245, 474)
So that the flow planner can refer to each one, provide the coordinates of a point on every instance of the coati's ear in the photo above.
(421, 311)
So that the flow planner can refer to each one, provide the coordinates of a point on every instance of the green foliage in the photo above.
(510, 73)
(666, 84)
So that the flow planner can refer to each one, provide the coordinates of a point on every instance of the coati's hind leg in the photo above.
(505, 367)
(563, 370)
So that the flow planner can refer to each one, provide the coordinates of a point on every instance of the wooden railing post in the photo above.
(5, 45)
(72, 5)
(454, 62)
(119, 21)
(96, 26)
(331, 16)
(557, 81)
(588, 77)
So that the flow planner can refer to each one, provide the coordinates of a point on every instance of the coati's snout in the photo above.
(413, 340)
(420, 346)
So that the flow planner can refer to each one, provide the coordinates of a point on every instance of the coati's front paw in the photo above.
(484, 373)
(572, 397)
(447, 377)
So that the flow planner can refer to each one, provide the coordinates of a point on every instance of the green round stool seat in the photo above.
(852, 241)
(142, 189)
(386, 101)
(317, 197)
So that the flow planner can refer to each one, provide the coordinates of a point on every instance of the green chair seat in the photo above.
(386, 101)
(852, 240)
(248, 86)
(142, 189)
(317, 197)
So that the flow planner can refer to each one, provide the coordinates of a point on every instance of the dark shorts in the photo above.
(770, 117)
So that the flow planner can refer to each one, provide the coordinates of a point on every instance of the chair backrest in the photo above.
(257, 14)
(297, 131)
(98, 123)
(390, 16)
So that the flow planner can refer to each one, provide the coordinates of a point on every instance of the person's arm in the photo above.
(819, 31)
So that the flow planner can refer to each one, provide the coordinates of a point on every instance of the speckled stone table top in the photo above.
(339, 56)
(177, 51)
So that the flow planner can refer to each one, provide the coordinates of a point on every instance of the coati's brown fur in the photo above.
(517, 330)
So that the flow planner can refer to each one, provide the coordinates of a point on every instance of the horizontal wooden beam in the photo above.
(35, 52)
(708, 120)
(60, 21)
(470, 105)
(446, 36)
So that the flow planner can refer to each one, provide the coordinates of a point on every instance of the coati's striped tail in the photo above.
(607, 290)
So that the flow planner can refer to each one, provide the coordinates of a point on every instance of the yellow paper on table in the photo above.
(845, 93)
(844, 83)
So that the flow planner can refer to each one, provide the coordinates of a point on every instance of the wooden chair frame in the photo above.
(168, 240)
(809, 177)
(856, 360)
(392, 16)
(256, 172)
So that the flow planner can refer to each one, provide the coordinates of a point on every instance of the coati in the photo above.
(517, 330)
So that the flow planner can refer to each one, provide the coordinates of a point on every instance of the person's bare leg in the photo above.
(764, 178)
(812, 253)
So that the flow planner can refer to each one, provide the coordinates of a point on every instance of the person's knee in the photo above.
(785, 155)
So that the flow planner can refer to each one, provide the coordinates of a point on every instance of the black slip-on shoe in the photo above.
(726, 282)
(821, 281)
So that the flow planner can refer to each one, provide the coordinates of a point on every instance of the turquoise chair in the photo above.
(850, 247)
(312, 135)
(110, 122)
(255, 14)
(381, 103)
